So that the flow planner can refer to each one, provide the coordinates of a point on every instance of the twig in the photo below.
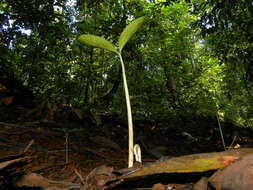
(28, 146)
(221, 134)
(80, 176)
(49, 167)
(233, 141)
(112, 158)
(66, 146)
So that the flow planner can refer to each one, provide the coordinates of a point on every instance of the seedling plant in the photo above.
(100, 42)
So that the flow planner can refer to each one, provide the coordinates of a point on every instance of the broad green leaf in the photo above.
(97, 41)
(129, 31)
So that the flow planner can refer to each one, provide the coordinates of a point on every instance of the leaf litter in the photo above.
(105, 162)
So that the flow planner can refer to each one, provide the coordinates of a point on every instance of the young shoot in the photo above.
(100, 42)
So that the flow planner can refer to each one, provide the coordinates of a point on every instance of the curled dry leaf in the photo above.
(98, 177)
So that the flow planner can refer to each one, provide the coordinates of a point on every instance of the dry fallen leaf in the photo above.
(236, 176)
(8, 100)
(98, 178)
(191, 163)
(201, 184)
(158, 186)
(32, 180)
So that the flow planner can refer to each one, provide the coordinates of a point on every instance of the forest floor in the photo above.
(90, 142)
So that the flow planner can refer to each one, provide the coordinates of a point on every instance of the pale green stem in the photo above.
(129, 116)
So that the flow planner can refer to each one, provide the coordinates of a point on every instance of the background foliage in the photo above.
(190, 59)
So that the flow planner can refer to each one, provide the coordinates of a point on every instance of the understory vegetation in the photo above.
(190, 59)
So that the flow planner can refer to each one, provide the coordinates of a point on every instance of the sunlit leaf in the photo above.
(129, 31)
(96, 41)
(191, 163)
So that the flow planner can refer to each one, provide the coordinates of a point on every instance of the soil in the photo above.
(65, 143)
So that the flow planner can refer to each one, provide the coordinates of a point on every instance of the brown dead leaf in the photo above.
(9, 162)
(227, 160)
(201, 184)
(32, 180)
(105, 142)
(159, 186)
(8, 100)
(236, 176)
(30, 123)
(36, 180)
(98, 177)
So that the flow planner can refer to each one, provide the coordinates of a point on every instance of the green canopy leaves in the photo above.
(178, 71)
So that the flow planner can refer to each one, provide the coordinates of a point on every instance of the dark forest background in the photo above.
(191, 59)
